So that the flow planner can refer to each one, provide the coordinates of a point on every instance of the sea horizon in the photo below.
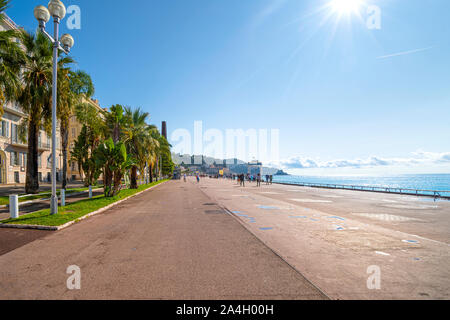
(435, 181)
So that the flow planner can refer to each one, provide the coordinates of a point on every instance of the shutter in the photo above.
(14, 132)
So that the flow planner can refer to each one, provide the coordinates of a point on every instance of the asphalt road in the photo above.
(172, 242)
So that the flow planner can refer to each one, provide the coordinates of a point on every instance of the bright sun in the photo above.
(346, 6)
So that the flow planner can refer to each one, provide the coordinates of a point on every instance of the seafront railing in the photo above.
(437, 194)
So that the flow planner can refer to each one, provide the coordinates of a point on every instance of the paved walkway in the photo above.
(333, 236)
(172, 242)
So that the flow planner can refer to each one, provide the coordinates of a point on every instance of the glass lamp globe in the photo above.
(41, 13)
(57, 9)
(67, 40)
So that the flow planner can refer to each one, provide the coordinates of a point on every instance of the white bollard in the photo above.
(14, 206)
(63, 197)
(90, 192)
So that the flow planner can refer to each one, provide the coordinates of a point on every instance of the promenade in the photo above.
(170, 242)
(333, 236)
(216, 240)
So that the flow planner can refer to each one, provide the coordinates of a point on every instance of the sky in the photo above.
(347, 98)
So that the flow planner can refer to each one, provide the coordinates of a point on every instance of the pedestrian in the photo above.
(258, 180)
(184, 177)
(271, 177)
(198, 178)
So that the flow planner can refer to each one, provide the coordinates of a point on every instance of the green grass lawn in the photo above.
(4, 200)
(74, 210)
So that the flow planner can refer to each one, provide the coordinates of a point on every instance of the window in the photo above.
(39, 140)
(23, 159)
(4, 132)
(40, 161)
(14, 158)
(14, 135)
(16, 177)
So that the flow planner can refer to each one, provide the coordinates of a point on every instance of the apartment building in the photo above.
(13, 151)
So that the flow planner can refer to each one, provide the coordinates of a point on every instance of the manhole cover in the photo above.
(210, 204)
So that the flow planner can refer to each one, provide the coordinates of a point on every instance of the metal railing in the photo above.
(437, 194)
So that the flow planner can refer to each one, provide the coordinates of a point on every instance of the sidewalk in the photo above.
(333, 237)
(172, 242)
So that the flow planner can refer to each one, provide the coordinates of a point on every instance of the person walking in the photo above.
(184, 177)
(198, 178)
(270, 178)
(258, 180)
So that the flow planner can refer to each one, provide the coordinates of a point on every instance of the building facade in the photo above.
(14, 152)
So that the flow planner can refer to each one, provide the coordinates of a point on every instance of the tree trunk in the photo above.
(65, 142)
(133, 184)
(107, 182)
(117, 181)
(150, 169)
(32, 175)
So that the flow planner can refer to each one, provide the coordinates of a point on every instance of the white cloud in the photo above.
(420, 158)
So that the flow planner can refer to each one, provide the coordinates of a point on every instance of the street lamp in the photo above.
(57, 10)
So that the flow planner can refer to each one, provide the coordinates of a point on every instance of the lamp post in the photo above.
(57, 10)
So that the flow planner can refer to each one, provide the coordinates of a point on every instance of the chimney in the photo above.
(164, 129)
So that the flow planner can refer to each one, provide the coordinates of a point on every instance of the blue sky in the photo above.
(329, 84)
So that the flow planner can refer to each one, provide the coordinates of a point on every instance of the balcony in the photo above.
(14, 110)
(44, 146)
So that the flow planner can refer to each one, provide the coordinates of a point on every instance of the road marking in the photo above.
(269, 192)
(311, 201)
(411, 241)
(385, 217)
(382, 253)
(268, 208)
(336, 217)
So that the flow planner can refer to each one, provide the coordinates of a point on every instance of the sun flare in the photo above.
(346, 6)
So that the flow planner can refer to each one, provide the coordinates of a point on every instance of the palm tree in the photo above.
(114, 161)
(35, 97)
(89, 139)
(11, 60)
(115, 121)
(139, 141)
(3, 6)
(73, 87)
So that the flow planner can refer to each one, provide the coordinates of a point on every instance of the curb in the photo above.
(68, 224)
